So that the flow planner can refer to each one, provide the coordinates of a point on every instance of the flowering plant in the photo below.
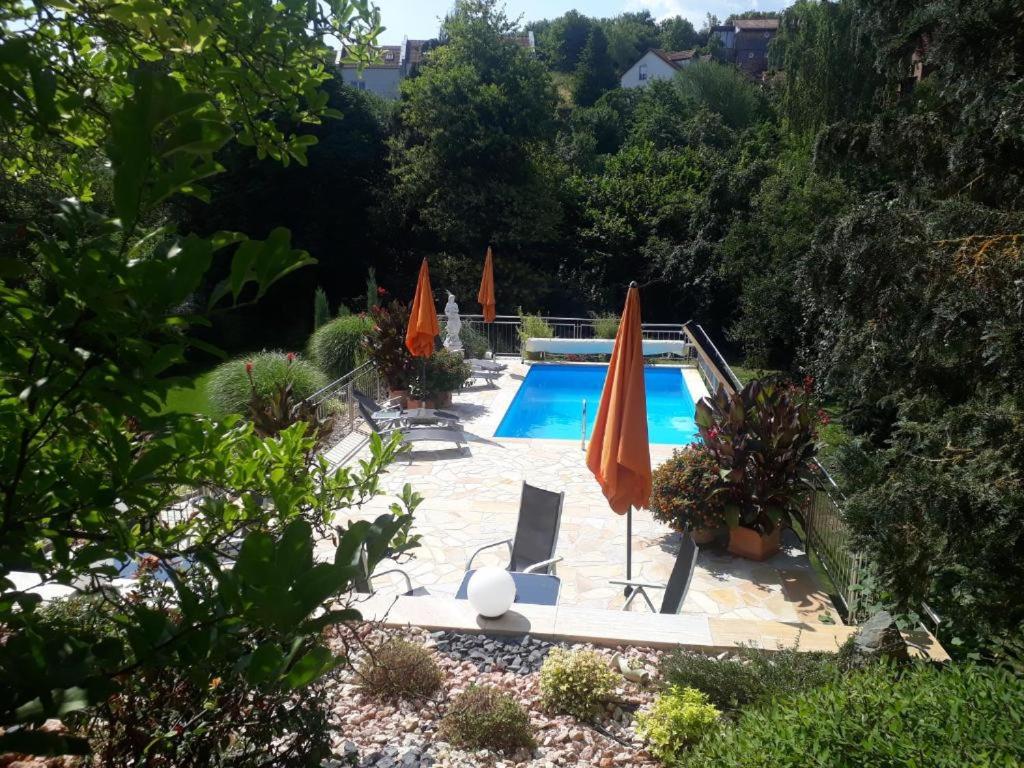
(682, 490)
(385, 344)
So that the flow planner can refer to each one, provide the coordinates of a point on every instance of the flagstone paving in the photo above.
(471, 497)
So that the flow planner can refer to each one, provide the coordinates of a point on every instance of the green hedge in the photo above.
(336, 348)
(228, 389)
(965, 715)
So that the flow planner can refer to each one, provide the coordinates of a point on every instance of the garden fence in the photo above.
(337, 399)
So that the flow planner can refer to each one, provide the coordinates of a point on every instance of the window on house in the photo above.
(643, 71)
(389, 55)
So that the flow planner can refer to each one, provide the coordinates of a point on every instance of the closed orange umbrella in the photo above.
(423, 327)
(486, 293)
(619, 453)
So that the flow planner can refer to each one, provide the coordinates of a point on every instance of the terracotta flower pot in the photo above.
(412, 402)
(748, 543)
(443, 400)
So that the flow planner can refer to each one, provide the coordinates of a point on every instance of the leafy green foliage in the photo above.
(964, 715)
(471, 121)
(474, 340)
(756, 676)
(682, 490)
(442, 373)
(722, 89)
(678, 717)
(763, 441)
(534, 327)
(337, 347)
(232, 384)
(143, 96)
(595, 73)
(398, 668)
(485, 717)
(606, 326)
(385, 344)
(575, 682)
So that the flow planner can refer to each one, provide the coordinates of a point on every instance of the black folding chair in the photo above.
(678, 581)
(533, 548)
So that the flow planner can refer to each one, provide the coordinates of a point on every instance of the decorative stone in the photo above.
(879, 636)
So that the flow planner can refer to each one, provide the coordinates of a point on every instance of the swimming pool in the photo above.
(548, 404)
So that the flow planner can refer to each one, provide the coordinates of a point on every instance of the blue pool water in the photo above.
(548, 404)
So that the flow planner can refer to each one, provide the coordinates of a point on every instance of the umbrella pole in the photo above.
(629, 550)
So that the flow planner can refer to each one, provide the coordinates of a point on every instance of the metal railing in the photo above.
(821, 514)
(826, 535)
(503, 335)
(337, 399)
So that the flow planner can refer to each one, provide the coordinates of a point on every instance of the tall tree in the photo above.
(595, 73)
(470, 128)
(677, 34)
(630, 36)
(563, 40)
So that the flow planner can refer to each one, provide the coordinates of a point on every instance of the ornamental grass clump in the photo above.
(677, 718)
(399, 669)
(484, 717)
(576, 682)
(232, 385)
(681, 490)
(337, 347)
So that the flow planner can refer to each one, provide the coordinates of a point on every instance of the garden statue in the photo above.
(452, 342)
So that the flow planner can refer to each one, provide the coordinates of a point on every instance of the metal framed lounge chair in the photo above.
(678, 581)
(489, 365)
(487, 375)
(364, 581)
(410, 435)
(533, 548)
(389, 413)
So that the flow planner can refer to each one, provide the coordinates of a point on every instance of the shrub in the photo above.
(575, 682)
(229, 390)
(681, 490)
(399, 669)
(483, 717)
(337, 347)
(947, 717)
(321, 308)
(755, 676)
(474, 342)
(678, 717)
(763, 440)
(443, 372)
(534, 327)
(606, 326)
(385, 343)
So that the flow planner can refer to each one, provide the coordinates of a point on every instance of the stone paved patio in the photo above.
(471, 497)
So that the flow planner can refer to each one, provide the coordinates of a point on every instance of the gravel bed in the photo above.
(371, 733)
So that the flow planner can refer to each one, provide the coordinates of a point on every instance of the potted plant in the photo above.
(385, 346)
(443, 373)
(763, 441)
(682, 494)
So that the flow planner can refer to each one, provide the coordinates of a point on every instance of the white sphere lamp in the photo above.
(491, 591)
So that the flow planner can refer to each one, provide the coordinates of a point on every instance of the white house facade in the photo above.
(655, 65)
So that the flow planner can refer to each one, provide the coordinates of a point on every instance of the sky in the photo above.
(419, 19)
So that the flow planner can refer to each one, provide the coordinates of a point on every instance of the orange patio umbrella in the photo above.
(619, 453)
(423, 327)
(486, 293)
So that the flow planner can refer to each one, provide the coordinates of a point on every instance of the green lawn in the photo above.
(189, 398)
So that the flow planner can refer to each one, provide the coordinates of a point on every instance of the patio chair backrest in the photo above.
(679, 580)
(368, 417)
(540, 515)
(365, 400)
